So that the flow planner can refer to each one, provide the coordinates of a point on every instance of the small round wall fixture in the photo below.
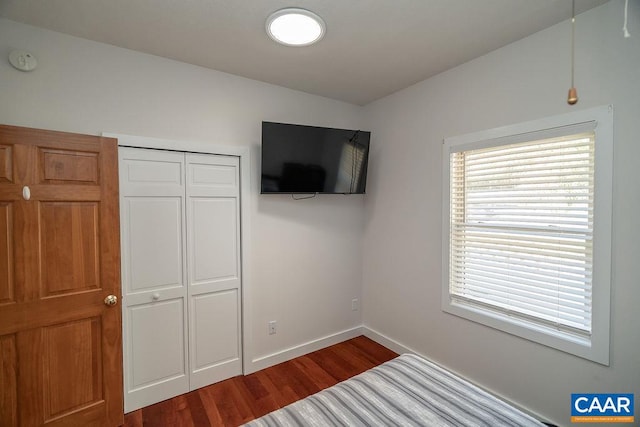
(295, 27)
(22, 60)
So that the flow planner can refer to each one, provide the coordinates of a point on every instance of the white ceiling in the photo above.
(372, 47)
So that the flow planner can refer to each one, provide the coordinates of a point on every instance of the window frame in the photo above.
(595, 348)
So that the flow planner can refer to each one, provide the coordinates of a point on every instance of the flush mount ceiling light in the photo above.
(295, 27)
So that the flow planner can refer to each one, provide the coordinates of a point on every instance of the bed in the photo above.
(405, 391)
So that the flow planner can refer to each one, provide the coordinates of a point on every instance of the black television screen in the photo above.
(310, 159)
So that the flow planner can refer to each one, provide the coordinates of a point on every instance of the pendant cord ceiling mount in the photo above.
(23, 60)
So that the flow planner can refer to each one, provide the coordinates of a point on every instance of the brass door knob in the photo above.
(111, 300)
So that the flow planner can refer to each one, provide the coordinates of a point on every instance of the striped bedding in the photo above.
(405, 391)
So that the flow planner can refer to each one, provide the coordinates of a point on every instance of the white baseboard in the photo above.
(268, 360)
(387, 342)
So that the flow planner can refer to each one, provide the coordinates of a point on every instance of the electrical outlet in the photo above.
(272, 327)
(354, 304)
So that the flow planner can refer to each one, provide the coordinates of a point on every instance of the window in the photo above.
(527, 230)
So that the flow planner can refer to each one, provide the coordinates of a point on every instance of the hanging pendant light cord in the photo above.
(624, 27)
(573, 39)
(572, 98)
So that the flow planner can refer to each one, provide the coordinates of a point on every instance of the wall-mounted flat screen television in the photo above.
(311, 159)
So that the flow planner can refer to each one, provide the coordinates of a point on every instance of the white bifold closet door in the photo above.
(180, 272)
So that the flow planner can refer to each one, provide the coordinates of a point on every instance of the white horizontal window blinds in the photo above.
(521, 227)
(349, 172)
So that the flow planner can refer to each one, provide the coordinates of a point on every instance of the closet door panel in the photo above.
(212, 175)
(151, 340)
(213, 190)
(214, 240)
(213, 236)
(215, 321)
(154, 239)
(154, 276)
(152, 172)
(157, 368)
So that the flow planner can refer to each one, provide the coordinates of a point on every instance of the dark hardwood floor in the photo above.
(241, 399)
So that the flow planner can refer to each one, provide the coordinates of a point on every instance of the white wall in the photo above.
(305, 259)
(402, 275)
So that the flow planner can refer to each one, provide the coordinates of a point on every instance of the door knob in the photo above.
(111, 300)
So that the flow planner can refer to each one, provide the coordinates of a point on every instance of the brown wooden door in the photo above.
(60, 345)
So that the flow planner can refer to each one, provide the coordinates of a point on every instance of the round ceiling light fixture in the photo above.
(295, 27)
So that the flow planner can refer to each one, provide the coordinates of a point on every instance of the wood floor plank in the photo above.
(333, 364)
(256, 395)
(241, 399)
(183, 411)
(379, 353)
(208, 401)
(320, 377)
(159, 414)
(288, 374)
(133, 419)
(354, 355)
(198, 411)
(281, 397)
(287, 388)
(228, 405)
(244, 405)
